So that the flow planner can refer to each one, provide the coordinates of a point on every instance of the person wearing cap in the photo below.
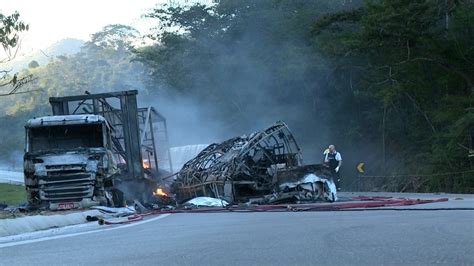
(334, 160)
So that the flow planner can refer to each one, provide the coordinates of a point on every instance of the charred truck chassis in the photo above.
(85, 172)
(245, 168)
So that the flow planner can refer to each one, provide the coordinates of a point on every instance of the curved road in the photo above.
(414, 237)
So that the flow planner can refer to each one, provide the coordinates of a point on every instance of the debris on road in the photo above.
(308, 187)
(117, 212)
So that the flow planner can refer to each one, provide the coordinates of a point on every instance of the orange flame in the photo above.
(146, 164)
(160, 192)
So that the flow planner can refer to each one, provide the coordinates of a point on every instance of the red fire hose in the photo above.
(357, 203)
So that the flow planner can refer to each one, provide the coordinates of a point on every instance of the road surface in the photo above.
(375, 237)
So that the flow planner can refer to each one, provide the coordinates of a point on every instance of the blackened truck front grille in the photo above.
(66, 183)
(64, 167)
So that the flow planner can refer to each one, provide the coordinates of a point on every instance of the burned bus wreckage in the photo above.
(264, 167)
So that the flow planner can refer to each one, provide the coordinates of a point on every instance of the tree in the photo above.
(10, 29)
(115, 36)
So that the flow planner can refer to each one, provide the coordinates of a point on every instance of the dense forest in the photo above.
(390, 83)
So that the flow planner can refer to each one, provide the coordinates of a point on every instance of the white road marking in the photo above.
(11, 244)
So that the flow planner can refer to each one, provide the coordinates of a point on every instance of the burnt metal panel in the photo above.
(117, 94)
(129, 108)
(59, 107)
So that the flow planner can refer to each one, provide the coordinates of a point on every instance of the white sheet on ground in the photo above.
(207, 201)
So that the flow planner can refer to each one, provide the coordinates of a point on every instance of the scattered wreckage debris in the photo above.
(111, 215)
(264, 167)
(212, 205)
(309, 182)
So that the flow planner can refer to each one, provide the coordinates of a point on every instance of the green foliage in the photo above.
(10, 26)
(116, 36)
(416, 67)
(10, 29)
(12, 194)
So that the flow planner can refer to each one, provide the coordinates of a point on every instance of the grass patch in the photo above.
(12, 194)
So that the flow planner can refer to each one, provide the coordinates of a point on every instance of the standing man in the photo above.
(334, 160)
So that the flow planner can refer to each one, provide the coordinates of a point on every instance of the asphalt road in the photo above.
(383, 237)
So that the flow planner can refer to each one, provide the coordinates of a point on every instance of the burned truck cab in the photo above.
(68, 161)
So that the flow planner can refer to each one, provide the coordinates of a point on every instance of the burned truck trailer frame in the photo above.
(129, 149)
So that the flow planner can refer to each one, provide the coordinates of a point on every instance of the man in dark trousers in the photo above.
(334, 160)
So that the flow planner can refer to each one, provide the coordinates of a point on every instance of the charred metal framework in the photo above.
(240, 167)
(134, 129)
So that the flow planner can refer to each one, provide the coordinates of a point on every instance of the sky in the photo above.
(53, 20)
